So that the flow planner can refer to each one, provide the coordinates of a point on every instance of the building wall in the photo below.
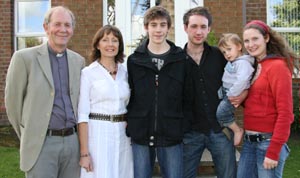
(89, 19)
(227, 16)
(6, 48)
(256, 10)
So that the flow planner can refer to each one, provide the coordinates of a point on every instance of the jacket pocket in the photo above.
(172, 125)
(140, 84)
(175, 83)
(138, 123)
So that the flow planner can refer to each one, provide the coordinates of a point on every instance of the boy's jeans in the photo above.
(169, 159)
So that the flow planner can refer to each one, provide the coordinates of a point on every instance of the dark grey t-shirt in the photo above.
(158, 59)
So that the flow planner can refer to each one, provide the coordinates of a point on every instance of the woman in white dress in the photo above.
(105, 150)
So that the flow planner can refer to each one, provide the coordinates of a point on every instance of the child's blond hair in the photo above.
(229, 37)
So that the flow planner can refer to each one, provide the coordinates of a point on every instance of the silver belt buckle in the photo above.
(111, 118)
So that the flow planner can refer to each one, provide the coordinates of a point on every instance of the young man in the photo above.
(41, 98)
(207, 71)
(160, 93)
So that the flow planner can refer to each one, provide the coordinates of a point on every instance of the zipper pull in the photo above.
(156, 80)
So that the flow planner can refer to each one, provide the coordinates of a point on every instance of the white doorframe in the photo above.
(123, 22)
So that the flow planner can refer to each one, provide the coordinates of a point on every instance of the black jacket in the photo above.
(207, 79)
(156, 113)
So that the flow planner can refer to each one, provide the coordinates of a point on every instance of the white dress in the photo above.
(109, 147)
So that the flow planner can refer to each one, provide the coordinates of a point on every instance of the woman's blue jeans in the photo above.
(252, 158)
(169, 159)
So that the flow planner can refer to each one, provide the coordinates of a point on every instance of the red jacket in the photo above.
(269, 105)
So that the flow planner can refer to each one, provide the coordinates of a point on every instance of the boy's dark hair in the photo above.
(157, 12)
(197, 11)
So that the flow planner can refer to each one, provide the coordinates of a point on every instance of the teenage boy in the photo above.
(207, 72)
(157, 73)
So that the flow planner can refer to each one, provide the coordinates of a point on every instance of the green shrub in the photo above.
(295, 128)
(211, 39)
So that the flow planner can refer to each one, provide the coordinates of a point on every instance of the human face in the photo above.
(197, 29)
(157, 30)
(231, 51)
(59, 30)
(108, 46)
(255, 43)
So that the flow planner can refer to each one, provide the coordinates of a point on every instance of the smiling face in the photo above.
(197, 29)
(108, 46)
(59, 30)
(157, 30)
(255, 43)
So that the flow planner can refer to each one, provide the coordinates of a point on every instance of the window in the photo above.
(29, 17)
(284, 17)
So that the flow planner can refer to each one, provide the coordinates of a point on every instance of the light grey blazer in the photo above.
(29, 96)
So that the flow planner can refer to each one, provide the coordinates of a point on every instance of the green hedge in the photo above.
(295, 128)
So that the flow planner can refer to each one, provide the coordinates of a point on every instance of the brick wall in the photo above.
(89, 19)
(256, 10)
(227, 16)
(6, 48)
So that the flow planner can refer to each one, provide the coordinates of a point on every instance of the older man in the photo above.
(41, 96)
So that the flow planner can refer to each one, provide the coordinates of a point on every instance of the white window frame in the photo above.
(25, 34)
(279, 29)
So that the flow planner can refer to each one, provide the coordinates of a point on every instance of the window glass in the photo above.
(284, 17)
(29, 17)
(26, 42)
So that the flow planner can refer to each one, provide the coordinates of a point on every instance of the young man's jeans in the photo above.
(222, 151)
(225, 112)
(252, 158)
(169, 159)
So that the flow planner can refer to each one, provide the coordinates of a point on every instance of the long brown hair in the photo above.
(277, 44)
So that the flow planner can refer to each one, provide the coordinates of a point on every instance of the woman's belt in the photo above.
(106, 117)
(259, 137)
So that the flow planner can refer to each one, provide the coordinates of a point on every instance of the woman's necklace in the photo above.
(114, 72)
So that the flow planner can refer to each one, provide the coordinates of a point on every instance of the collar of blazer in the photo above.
(44, 61)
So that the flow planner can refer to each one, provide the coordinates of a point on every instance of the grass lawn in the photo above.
(292, 166)
(9, 161)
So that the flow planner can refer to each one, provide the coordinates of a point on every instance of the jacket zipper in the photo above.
(156, 99)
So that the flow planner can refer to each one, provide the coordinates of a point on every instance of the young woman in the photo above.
(105, 149)
(268, 111)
